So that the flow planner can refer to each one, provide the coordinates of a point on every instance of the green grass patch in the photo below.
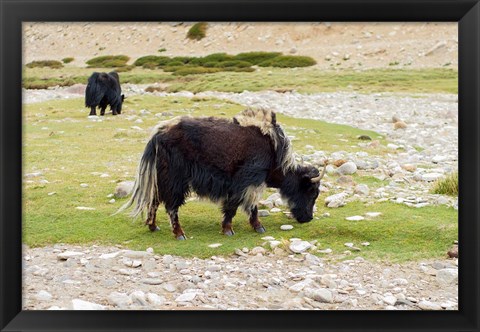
(305, 80)
(447, 185)
(54, 64)
(198, 31)
(108, 61)
(60, 141)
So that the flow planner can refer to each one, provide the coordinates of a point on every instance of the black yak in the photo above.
(102, 90)
(229, 162)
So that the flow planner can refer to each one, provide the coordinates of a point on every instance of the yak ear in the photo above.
(123, 97)
(235, 121)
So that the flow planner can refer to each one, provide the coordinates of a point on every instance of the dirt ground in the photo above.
(333, 45)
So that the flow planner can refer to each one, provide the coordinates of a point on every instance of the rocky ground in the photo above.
(72, 277)
(332, 45)
(102, 278)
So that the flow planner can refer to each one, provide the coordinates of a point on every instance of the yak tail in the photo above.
(95, 90)
(145, 189)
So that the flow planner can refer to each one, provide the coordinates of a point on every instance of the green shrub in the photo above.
(256, 58)
(240, 69)
(214, 57)
(68, 60)
(163, 49)
(108, 61)
(447, 185)
(149, 65)
(289, 61)
(175, 64)
(183, 59)
(45, 63)
(197, 31)
(152, 59)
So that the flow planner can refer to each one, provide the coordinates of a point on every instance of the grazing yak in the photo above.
(226, 161)
(102, 90)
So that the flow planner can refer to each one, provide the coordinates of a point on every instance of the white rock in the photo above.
(268, 238)
(69, 254)
(169, 288)
(326, 251)
(431, 176)
(258, 250)
(78, 304)
(263, 213)
(349, 244)
(275, 210)
(186, 297)
(274, 244)
(319, 294)
(362, 189)
(300, 246)
(119, 299)
(85, 208)
(43, 296)
(390, 300)
(286, 227)
(347, 168)
(365, 244)
(427, 305)
(214, 245)
(111, 201)
(138, 297)
(111, 255)
(355, 218)
(155, 299)
(83, 185)
(124, 189)
(447, 276)
(149, 250)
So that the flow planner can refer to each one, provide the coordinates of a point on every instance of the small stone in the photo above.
(365, 244)
(286, 227)
(274, 244)
(275, 210)
(347, 168)
(390, 300)
(362, 189)
(354, 218)
(84, 208)
(409, 167)
(138, 297)
(109, 256)
(431, 176)
(69, 254)
(43, 296)
(320, 295)
(239, 252)
(167, 259)
(447, 276)
(258, 250)
(214, 245)
(111, 201)
(78, 304)
(427, 305)
(453, 252)
(186, 297)
(119, 299)
(326, 251)
(299, 246)
(263, 213)
(268, 238)
(83, 185)
(399, 125)
(169, 288)
(155, 299)
(373, 214)
(149, 250)
(152, 281)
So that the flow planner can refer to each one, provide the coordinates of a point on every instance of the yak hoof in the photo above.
(229, 232)
(153, 229)
(181, 237)
(260, 230)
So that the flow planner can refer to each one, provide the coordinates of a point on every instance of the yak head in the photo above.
(301, 188)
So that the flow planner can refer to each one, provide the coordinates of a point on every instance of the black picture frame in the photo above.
(13, 13)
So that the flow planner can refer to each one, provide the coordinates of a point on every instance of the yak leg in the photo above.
(93, 111)
(176, 228)
(254, 220)
(102, 110)
(229, 210)
(114, 110)
(152, 217)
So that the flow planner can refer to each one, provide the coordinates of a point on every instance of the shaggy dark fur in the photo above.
(102, 90)
(220, 160)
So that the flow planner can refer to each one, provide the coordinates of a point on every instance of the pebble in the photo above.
(43, 296)
(263, 213)
(78, 304)
(186, 297)
(427, 305)
(214, 245)
(354, 218)
(447, 276)
(319, 294)
(69, 254)
(286, 227)
(155, 299)
(347, 168)
(299, 246)
(121, 300)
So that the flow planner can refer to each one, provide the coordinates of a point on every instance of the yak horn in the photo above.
(318, 178)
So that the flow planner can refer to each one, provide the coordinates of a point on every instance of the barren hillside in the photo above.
(333, 45)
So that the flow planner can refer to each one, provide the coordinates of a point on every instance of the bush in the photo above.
(152, 59)
(175, 64)
(183, 59)
(149, 65)
(68, 60)
(108, 61)
(124, 69)
(197, 31)
(288, 61)
(163, 49)
(45, 63)
(447, 185)
(256, 58)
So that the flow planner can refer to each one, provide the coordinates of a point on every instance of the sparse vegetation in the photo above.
(54, 64)
(198, 31)
(108, 61)
(447, 185)
(288, 61)
(68, 60)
